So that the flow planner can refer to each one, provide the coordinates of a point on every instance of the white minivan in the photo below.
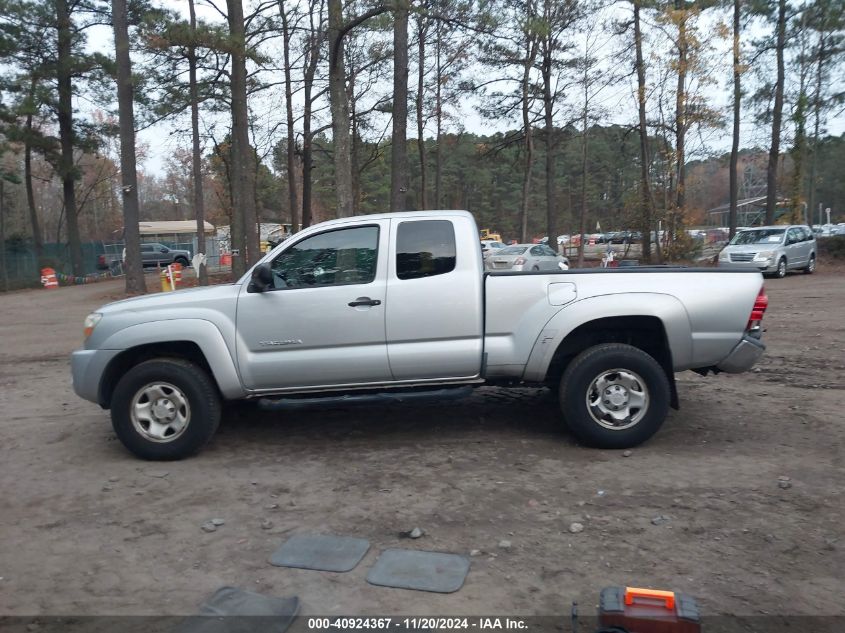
(773, 250)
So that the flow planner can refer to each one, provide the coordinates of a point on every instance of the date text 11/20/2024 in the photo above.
(418, 623)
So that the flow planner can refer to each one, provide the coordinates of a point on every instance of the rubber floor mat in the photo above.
(234, 610)
(422, 571)
(322, 552)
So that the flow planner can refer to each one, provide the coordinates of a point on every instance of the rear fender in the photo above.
(667, 308)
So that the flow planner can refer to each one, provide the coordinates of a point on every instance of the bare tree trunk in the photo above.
(307, 153)
(399, 137)
(312, 57)
(135, 283)
(800, 118)
(351, 77)
(681, 117)
(817, 106)
(777, 113)
(67, 169)
(529, 146)
(37, 242)
(438, 106)
(548, 113)
(645, 188)
(243, 160)
(293, 201)
(196, 158)
(421, 35)
(582, 217)
(340, 112)
(737, 105)
(307, 161)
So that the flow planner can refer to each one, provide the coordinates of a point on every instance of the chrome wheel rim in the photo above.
(160, 412)
(782, 269)
(617, 399)
(812, 266)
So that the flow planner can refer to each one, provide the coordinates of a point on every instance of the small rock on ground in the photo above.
(416, 533)
(208, 527)
(504, 544)
(576, 527)
(627, 453)
(660, 520)
(217, 522)
(475, 552)
(266, 524)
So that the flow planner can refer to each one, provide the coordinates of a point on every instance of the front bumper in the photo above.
(87, 367)
(743, 357)
(766, 266)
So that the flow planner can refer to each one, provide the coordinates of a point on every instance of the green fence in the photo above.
(21, 268)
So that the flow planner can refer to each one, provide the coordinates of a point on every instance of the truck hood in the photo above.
(193, 296)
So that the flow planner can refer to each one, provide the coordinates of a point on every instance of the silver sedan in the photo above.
(532, 257)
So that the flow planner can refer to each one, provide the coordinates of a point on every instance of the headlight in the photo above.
(724, 256)
(91, 322)
(763, 256)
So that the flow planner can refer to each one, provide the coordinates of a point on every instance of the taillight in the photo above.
(519, 261)
(760, 305)
(102, 259)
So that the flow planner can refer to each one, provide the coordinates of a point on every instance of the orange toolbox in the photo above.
(637, 610)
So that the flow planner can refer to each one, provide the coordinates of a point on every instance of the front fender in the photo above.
(203, 333)
(667, 308)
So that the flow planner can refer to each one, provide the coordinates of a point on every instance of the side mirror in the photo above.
(262, 278)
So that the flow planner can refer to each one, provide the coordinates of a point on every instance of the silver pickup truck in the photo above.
(397, 306)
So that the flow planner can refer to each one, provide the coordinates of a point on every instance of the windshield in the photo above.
(513, 250)
(759, 236)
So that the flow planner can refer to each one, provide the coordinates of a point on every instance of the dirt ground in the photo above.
(88, 529)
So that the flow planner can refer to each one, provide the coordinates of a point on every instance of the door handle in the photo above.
(364, 301)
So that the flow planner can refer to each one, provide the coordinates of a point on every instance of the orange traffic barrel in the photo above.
(165, 280)
(49, 279)
(176, 274)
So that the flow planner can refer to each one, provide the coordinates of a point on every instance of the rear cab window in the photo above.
(425, 248)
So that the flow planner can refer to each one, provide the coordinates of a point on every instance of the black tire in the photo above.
(781, 272)
(182, 262)
(535, 268)
(184, 381)
(589, 366)
(811, 265)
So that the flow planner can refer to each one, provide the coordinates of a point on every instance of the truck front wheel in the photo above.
(614, 396)
(165, 409)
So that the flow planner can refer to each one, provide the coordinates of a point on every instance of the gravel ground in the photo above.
(737, 501)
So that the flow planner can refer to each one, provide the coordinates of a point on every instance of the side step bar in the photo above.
(389, 397)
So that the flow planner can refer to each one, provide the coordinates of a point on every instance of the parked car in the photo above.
(396, 307)
(153, 254)
(773, 250)
(532, 257)
(488, 247)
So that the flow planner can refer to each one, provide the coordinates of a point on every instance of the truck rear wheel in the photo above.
(165, 409)
(614, 396)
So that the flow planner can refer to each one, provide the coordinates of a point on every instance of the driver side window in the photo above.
(333, 258)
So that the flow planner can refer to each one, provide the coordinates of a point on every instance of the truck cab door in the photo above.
(321, 325)
(434, 299)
